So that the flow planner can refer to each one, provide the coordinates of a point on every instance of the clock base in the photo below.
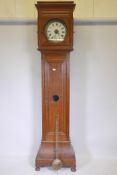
(47, 153)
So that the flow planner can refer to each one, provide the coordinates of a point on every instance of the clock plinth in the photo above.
(46, 155)
(55, 41)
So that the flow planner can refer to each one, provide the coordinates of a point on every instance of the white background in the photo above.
(93, 73)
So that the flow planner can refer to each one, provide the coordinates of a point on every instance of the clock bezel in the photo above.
(50, 21)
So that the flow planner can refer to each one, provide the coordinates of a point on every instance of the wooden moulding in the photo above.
(46, 155)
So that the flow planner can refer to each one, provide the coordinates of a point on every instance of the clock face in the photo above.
(55, 30)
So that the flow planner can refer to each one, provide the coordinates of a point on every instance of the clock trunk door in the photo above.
(55, 95)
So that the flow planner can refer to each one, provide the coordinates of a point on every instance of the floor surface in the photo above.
(23, 166)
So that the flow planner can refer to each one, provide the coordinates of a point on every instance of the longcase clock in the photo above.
(55, 42)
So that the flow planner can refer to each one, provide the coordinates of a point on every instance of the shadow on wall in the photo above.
(78, 91)
(35, 65)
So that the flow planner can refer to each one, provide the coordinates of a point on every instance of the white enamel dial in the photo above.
(55, 31)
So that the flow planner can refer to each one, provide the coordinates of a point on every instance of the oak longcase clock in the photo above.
(55, 42)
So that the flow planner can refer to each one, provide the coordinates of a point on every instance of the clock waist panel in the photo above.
(55, 98)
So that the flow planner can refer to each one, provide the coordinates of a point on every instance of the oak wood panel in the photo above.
(55, 83)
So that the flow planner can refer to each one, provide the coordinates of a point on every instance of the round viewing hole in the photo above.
(55, 98)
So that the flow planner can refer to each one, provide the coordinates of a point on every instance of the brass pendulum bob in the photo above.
(57, 163)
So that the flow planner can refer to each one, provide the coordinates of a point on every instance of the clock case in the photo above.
(55, 84)
(55, 10)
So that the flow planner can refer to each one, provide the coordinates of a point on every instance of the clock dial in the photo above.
(55, 31)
